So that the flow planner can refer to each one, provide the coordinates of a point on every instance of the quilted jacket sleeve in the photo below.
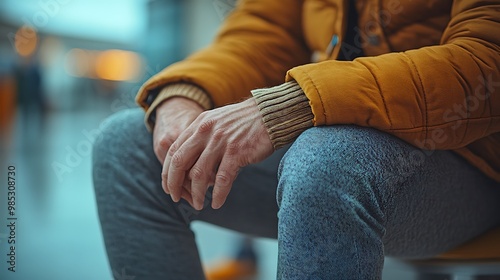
(258, 43)
(439, 97)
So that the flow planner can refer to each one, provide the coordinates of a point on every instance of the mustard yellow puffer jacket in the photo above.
(430, 76)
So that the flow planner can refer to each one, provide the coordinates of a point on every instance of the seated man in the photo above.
(395, 152)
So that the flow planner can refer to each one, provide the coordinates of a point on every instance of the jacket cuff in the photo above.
(285, 110)
(190, 91)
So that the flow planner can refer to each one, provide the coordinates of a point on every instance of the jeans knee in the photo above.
(346, 163)
(119, 140)
(117, 133)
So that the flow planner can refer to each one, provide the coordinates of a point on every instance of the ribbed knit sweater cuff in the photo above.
(285, 110)
(190, 91)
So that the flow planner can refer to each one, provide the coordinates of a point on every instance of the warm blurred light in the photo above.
(112, 65)
(78, 63)
(118, 65)
(25, 41)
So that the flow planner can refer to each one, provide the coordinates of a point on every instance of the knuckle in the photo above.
(223, 179)
(206, 126)
(164, 143)
(177, 160)
(197, 174)
(173, 149)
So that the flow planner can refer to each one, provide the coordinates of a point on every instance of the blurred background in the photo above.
(65, 65)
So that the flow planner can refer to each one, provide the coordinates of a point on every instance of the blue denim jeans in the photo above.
(338, 201)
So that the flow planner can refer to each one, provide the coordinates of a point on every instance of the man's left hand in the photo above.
(212, 150)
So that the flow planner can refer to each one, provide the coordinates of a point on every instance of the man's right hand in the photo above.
(173, 116)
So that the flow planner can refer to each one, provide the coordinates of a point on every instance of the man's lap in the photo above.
(447, 184)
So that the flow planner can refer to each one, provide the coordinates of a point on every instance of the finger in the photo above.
(202, 174)
(164, 146)
(164, 178)
(160, 148)
(178, 162)
(180, 159)
(226, 174)
(171, 185)
(166, 166)
(186, 192)
(187, 197)
(163, 137)
(172, 150)
(165, 169)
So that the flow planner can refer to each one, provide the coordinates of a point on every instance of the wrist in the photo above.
(185, 91)
(178, 102)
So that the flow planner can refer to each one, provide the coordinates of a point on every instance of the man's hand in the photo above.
(212, 150)
(173, 116)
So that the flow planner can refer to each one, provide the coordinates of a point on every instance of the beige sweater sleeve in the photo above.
(285, 110)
